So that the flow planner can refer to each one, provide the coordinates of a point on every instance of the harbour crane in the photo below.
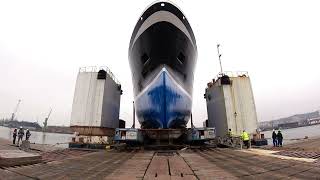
(45, 123)
(15, 110)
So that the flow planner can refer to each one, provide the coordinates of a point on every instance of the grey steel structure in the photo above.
(96, 102)
(230, 104)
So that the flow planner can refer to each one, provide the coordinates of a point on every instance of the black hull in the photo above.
(163, 38)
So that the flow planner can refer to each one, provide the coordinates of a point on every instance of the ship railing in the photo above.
(233, 74)
(89, 69)
(230, 74)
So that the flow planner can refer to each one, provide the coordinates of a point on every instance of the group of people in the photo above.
(20, 133)
(277, 138)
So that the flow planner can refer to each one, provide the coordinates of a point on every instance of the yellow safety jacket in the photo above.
(245, 136)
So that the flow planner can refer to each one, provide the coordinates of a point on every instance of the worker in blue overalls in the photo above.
(279, 138)
(274, 138)
(28, 134)
(14, 135)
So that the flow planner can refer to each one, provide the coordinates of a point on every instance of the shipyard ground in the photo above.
(292, 162)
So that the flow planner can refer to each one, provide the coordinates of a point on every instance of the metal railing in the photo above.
(97, 69)
(228, 73)
(232, 74)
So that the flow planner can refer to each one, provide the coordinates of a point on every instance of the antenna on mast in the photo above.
(14, 114)
(134, 116)
(219, 56)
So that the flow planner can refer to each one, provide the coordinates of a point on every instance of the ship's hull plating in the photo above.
(163, 103)
(162, 56)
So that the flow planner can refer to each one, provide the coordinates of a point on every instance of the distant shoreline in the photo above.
(37, 130)
(276, 128)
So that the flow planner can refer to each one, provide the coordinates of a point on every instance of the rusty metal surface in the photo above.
(93, 131)
(62, 154)
(95, 165)
(159, 166)
(167, 165)
(299, 154)
(163, 133)
(134, 168)
(178, 167)
(188, 164)
(243, 165)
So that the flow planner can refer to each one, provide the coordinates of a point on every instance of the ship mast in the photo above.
(219, 56)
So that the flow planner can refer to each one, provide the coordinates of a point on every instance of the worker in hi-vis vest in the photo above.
(230, 134)
(245, 138)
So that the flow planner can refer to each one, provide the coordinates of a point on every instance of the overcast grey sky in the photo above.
(43, 43)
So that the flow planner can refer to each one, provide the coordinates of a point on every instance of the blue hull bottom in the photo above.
(163, 103)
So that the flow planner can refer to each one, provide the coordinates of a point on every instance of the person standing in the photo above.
(245, 138)
(274, 138)
(20, 135)
(279, 138)
(28, 134)
(230, 133)
(14, 135)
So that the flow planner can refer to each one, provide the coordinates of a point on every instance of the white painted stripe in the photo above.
(161, 16)
(150, 84)
(177, 84)
(157, 77)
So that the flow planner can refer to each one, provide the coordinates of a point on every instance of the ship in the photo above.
(162, 57)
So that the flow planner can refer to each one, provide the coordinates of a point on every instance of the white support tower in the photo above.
(230, 104)
(96, 101)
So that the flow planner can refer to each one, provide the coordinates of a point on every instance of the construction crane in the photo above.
(15, 110)
(45, 123)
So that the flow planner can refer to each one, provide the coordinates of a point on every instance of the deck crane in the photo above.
(15, 110)
(45, 123)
